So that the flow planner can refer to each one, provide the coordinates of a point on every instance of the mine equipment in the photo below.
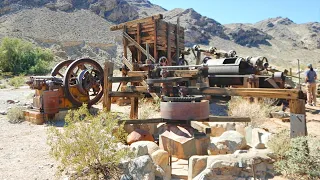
(72, 83)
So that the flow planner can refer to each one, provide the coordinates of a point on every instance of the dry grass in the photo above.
(258, 112)
(149, 108)
(15, 115)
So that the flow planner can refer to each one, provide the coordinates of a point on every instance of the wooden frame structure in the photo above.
(295, 97)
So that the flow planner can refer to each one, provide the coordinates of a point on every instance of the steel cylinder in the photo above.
(50, 101)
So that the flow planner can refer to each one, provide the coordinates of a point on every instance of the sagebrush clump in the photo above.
(17, 81)
(257, 111)
(297, 158)
(15, 115)
(89, 145)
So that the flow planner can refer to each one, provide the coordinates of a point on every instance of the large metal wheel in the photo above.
(87, 76)
(60, 69)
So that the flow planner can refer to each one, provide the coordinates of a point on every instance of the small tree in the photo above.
(19, 56)
(89, 144)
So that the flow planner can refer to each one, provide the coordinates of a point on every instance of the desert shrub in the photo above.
(19, 56)
(88, 144)
(15, 115)
(257, 111)
(297, 158)
(3, 86)
(17, 81)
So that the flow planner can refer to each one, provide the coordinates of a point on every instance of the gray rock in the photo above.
(227, 143)
(142, 168)
(139, 149)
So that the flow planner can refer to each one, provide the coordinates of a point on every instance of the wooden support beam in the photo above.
(169, 53)
(141, 121)
(134, 22)
(298, 125)
(125, 79)
(155, 51)
(141, 89)
(137, 73)
(228, 119)
(185, 73)
(248, 92)
(107, 87)
(134, 110)
(139, 41)
(124, 94)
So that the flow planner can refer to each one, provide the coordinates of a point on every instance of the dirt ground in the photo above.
(24, 153)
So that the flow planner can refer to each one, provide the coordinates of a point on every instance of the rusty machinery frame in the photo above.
(168, 78)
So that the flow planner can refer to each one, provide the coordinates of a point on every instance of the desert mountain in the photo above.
(81, 28)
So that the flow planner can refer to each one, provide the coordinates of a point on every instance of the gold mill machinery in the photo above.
(72, 83)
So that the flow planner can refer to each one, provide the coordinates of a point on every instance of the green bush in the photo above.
(88, 144)
(15, 115)
(17, 81)
(297, 158)
(19, 56)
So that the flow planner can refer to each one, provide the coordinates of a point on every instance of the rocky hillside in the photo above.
(81, 28)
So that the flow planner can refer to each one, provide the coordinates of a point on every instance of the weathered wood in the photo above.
(108, 72)
(141, 89)
(134, 22)
(228, 119)
(201, 127)
(125, 79)
(139, 41)
(298, 125)
(124, 94)
(247, 92)
(185, 73)
(141, 121)
(134, 108)
(155, 51)
(137, 73)
(127, 63)
(168, 42)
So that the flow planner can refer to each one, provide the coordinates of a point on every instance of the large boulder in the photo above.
(139, 135)
(139, 149)
(151, 146)
(232, 166)
(139, 168)
(257, 137)
(227, 143)
(161, 160)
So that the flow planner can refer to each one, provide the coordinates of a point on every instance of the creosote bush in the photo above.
(149, 108)
(257, 111)
(297, 158)
(15, 115)
(89, 145)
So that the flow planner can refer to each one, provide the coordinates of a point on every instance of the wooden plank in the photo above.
(125, 79)
(155, 51)
(228, 119)
(134, 108)
(185, 73)
(108, 72)
(201, 127)
(298, 123)
(127, 63)
(168, 42)
(141, 121)
(124, 94)
(134, 22)
(141, 89)
(247, 92)
(139, 41)
(137, 73)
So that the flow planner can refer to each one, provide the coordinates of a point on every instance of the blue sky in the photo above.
(249, 11)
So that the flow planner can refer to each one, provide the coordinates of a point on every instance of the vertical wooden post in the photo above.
(298, 125)
(139, 41)
(169, 54)
(290, 73)
(107, 86)
(134, 110)
(155, 49)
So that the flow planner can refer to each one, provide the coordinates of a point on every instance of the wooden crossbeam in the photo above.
(125, 79)
(248, 92)
(228, 119)
(124, 94)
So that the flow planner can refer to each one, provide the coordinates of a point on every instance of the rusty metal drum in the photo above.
(50, 102)
(185, 110)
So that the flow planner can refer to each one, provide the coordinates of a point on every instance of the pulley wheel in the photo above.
(87, 75)
(60, 69)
